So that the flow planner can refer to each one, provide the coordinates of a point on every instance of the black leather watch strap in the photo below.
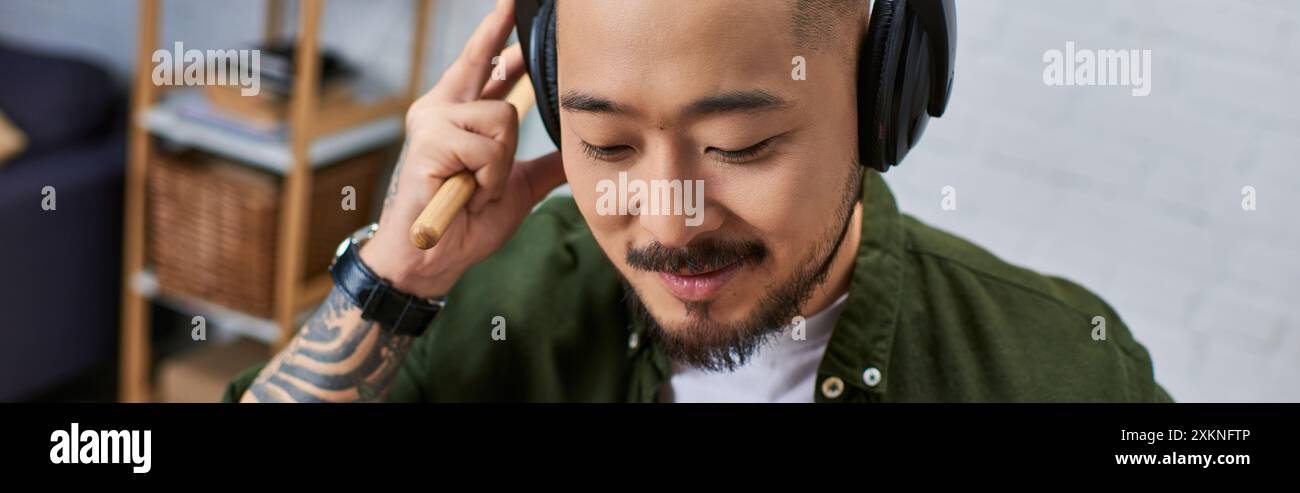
(394, 311)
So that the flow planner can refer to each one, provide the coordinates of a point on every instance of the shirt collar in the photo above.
(864, 335)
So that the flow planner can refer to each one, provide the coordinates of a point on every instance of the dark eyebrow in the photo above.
(581, 101)
(734, 101)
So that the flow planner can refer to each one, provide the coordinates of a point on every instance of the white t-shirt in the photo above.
(782, 370)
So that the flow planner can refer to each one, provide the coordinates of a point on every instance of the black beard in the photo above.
(710, 346)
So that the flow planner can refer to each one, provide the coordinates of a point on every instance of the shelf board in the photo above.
(222, 318)
(271, 154)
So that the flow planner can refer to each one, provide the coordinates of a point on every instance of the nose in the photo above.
(676, 211)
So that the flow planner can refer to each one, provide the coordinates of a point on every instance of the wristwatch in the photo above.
(396, 312)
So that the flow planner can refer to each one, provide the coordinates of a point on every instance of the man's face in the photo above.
(706, 91)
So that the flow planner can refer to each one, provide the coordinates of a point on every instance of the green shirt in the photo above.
(929, 317)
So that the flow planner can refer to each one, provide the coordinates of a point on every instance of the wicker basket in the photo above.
(213, 224)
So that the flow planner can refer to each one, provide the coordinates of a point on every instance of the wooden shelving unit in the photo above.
(315, 138)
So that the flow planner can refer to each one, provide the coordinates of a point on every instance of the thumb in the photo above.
(543, 175)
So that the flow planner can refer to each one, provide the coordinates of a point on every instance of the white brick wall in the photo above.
(1136, 198)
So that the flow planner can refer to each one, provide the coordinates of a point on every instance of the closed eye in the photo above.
(604, 153)
(745, 155)
(738, 156)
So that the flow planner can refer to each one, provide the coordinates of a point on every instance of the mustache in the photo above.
(699, 256)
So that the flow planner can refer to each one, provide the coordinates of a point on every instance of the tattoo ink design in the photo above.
(336, 357)
(392, 181)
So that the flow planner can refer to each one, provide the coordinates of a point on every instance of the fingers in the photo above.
(488, 159)
(465, 79)
(512, 65)
(543, 175)
(495, 119)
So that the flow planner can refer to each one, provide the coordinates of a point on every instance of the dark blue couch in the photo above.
(59, 270)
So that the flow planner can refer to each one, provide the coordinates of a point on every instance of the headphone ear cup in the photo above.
(551, 82)
(912, 96)
(895, 81)
(541, 65)
(877, 71)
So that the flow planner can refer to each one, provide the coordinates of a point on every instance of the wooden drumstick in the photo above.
(456, 191)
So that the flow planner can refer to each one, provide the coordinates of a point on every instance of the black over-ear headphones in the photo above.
(905, 72)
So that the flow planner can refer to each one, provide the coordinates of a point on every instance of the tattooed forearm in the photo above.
(392, 181)
(336, 357)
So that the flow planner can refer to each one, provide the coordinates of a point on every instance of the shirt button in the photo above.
(633, 341)
(871, 376)
(832, 387)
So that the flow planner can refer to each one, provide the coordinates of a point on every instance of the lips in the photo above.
(698, 286)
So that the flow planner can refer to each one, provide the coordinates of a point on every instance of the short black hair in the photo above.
(818, 24)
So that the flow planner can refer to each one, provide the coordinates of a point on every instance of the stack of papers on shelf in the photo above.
(195, 106)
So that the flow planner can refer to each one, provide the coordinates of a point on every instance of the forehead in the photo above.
(643, 51)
